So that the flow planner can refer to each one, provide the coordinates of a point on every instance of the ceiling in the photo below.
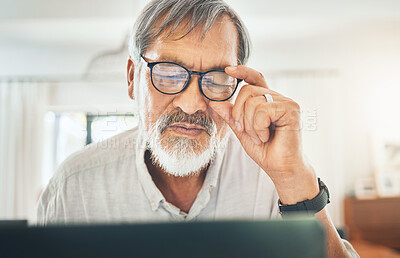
(88, 22)
(51, 9)
(54, 26)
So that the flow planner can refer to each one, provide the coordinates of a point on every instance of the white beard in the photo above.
(180, 156)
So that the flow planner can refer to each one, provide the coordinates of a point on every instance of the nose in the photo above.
(191, 99)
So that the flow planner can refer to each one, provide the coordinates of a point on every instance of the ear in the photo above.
(130, 75)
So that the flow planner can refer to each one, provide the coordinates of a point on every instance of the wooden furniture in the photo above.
(368, 250)
(376, 221)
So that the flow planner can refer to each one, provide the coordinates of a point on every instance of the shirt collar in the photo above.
(152, 192)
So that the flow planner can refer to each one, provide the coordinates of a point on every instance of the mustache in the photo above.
(178, 116)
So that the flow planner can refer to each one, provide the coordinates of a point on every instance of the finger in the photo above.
(248, 74)
(262, 123)
(245, 92)
(281, 114)
(224, 110)
(249, 110)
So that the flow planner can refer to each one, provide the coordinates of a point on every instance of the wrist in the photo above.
(297, 186)
(309, 206)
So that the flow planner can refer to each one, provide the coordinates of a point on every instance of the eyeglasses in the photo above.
(171, 78)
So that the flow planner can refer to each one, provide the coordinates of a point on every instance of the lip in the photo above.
(187, 129)
(188, 126)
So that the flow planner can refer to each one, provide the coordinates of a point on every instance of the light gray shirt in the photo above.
(109, 182)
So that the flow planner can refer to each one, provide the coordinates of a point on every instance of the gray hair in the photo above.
(199, 12)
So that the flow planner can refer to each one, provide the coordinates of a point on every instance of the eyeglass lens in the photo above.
(171, 78)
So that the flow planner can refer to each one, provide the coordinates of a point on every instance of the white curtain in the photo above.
(22, 109)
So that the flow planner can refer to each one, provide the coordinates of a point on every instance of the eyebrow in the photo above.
(182, 63)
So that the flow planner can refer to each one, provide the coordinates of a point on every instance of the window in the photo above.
(68, 132)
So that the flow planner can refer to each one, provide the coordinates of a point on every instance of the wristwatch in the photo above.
(309, 207)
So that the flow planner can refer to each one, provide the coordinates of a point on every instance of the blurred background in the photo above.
(63, 85)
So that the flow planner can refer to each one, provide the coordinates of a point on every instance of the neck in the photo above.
(179, 191)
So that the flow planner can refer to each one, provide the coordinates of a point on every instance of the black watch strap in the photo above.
(308, 206)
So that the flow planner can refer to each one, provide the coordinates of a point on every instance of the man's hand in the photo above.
(270, 133)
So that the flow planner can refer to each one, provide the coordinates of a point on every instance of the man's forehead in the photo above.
(217, 47)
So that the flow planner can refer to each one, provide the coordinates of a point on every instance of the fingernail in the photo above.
(232, 68)
(256, 140)
(263, 138)
(238, 126)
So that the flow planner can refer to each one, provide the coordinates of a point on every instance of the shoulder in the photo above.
(95, 163)
(88, 170)
(98, 155)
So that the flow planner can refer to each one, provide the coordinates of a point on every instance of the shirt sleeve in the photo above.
(275, 213)
(44, 209)
(350, 250)
(50, 207)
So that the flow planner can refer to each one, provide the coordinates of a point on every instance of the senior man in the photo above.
(197, 153)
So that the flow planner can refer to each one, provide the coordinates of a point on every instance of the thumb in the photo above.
(224, 110)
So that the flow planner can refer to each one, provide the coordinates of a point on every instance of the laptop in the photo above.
(273, 238)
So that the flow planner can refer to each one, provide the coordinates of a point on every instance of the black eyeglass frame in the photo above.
(152, 64)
